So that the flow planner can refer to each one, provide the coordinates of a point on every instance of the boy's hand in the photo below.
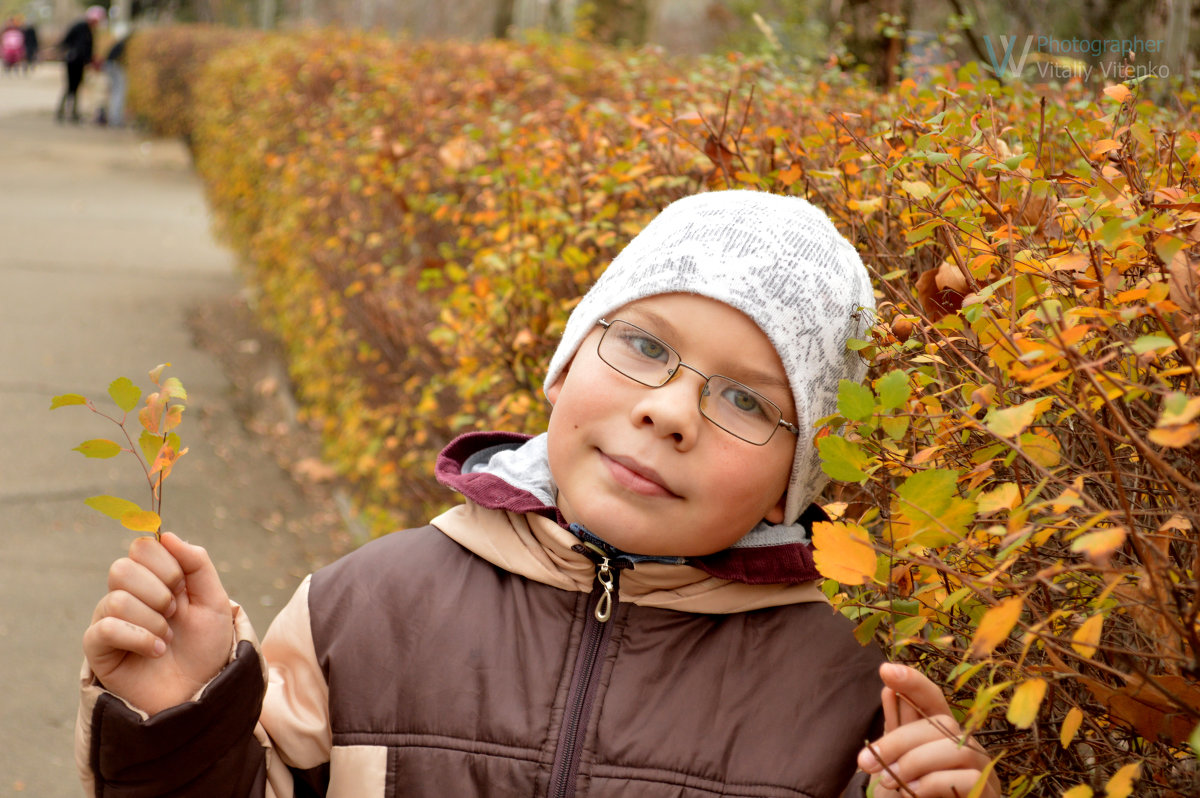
(165, 627)
(922, 753)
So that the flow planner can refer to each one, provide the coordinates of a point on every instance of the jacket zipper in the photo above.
(580, 696)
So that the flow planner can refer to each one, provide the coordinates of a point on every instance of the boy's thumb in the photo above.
(200, 577)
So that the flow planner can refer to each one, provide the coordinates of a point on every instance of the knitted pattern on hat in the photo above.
(780, 261)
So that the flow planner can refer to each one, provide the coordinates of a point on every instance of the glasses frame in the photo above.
(607, 325)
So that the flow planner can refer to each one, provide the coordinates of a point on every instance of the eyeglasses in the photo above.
(732, 406)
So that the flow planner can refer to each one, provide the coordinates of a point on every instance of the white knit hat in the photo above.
(780, 261)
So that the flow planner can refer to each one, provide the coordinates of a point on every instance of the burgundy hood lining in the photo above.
(761, 565)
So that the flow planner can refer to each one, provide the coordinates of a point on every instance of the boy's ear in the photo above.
(775, 514)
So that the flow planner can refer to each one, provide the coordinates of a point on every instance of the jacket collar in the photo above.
(509, 471)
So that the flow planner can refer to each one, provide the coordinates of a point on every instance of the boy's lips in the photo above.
(636, 476)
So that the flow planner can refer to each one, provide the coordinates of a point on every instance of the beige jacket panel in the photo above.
(539, 549)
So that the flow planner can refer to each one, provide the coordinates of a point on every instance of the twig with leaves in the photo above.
(157, 449)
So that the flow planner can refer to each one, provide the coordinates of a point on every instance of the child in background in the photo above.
(625, 605)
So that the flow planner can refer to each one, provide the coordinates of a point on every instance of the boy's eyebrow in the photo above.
(663, 328)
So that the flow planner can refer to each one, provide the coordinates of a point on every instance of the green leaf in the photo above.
(149, 443)
(1147, 343)
(99, 447)
(841, 459)
(855, 401)
(1194, 741)
(1112, 231)
(124, 393)
(173, 388)
(1167, 246)
(928, 492)
(894, 390)
(63, 400)
(112, 506)
(894, 426)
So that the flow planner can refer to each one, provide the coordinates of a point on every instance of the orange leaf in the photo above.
(995, 625)
(1105, 145)
(1119, 92)
(1070, 726)
(790, 175)
(1175, 437)
(843, 552)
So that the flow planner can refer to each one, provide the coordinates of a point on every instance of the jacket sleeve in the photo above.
(222, 742)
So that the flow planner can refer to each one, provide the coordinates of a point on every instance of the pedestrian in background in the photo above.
(12, 45)
(31, 46)
(114, 67)
(78, 50)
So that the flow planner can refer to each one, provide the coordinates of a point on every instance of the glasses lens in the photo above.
(637, 354)
(737, 409)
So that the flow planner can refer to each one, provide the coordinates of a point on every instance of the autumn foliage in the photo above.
(1017, 492)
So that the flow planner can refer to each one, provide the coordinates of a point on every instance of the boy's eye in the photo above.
(743, 400)
(651, 348)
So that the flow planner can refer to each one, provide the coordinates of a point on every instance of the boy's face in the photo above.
(641, 467)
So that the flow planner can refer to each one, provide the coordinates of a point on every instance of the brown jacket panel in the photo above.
(464, 669)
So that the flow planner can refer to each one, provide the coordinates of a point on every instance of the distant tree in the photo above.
(616, 21)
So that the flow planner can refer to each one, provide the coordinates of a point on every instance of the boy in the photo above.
(625, 605)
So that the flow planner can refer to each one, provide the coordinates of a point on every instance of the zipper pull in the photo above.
(604, 575)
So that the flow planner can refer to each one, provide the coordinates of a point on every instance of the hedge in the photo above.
(1018, 485)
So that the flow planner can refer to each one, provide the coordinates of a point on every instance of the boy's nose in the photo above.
(673, 409)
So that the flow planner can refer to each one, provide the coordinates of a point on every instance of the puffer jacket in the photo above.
(473, 657)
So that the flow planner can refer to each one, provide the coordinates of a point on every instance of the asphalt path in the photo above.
(105, 250)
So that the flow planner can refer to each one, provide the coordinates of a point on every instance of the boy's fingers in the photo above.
(110, 638)
(133, 577)
(129, 608)
(891, 709)
(200, 575)
(919, 697)
(928, 755)
(944, 784)
(889, 749)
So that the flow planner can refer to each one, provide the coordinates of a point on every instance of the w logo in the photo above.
(1006, 65)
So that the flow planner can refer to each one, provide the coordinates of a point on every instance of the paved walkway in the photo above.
(104, 248)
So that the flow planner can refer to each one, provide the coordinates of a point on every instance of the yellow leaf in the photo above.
(141, 521)
(865, 205)
(995, 625)
(1079, 791)
(1121, 784)
(1041, 449)
(1179, 410)
(1087, 636)
(1070, 726)
(918, 189)
(1026, 699)
(1004, 497)
(843, 552)
(1097, 546)
(1012, 421)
